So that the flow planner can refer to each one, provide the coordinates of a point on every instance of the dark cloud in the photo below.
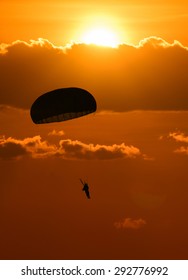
(11, 150)
(150, 76)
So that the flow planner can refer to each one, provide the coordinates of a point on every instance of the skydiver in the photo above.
(85, 188)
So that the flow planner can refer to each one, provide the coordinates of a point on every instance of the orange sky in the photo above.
(62, 21)
(133, 151)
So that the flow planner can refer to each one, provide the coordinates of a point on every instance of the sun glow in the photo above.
(101, 37)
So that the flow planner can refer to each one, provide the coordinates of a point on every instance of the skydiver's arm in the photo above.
(82, 182)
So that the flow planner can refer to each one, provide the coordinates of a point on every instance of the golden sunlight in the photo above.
(101, 36)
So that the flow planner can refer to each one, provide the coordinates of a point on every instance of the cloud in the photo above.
(179, 137)
(56, 133)
(182, 138)
(11, 148)
(182, 150)
(149, 76)
(4, 48)
(157, 42)
(78, 150)
(129, 223)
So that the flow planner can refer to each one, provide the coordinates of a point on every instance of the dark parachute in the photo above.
(62, 104)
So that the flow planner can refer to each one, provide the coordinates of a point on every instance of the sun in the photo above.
(100, 36)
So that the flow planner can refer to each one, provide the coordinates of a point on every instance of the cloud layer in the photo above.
(150, 76)
(11, 148)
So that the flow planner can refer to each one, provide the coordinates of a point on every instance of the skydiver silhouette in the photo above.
(85, 188)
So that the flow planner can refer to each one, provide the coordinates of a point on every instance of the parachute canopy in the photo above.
(62, 104)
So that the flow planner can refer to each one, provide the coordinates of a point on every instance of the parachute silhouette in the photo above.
(62, 104)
